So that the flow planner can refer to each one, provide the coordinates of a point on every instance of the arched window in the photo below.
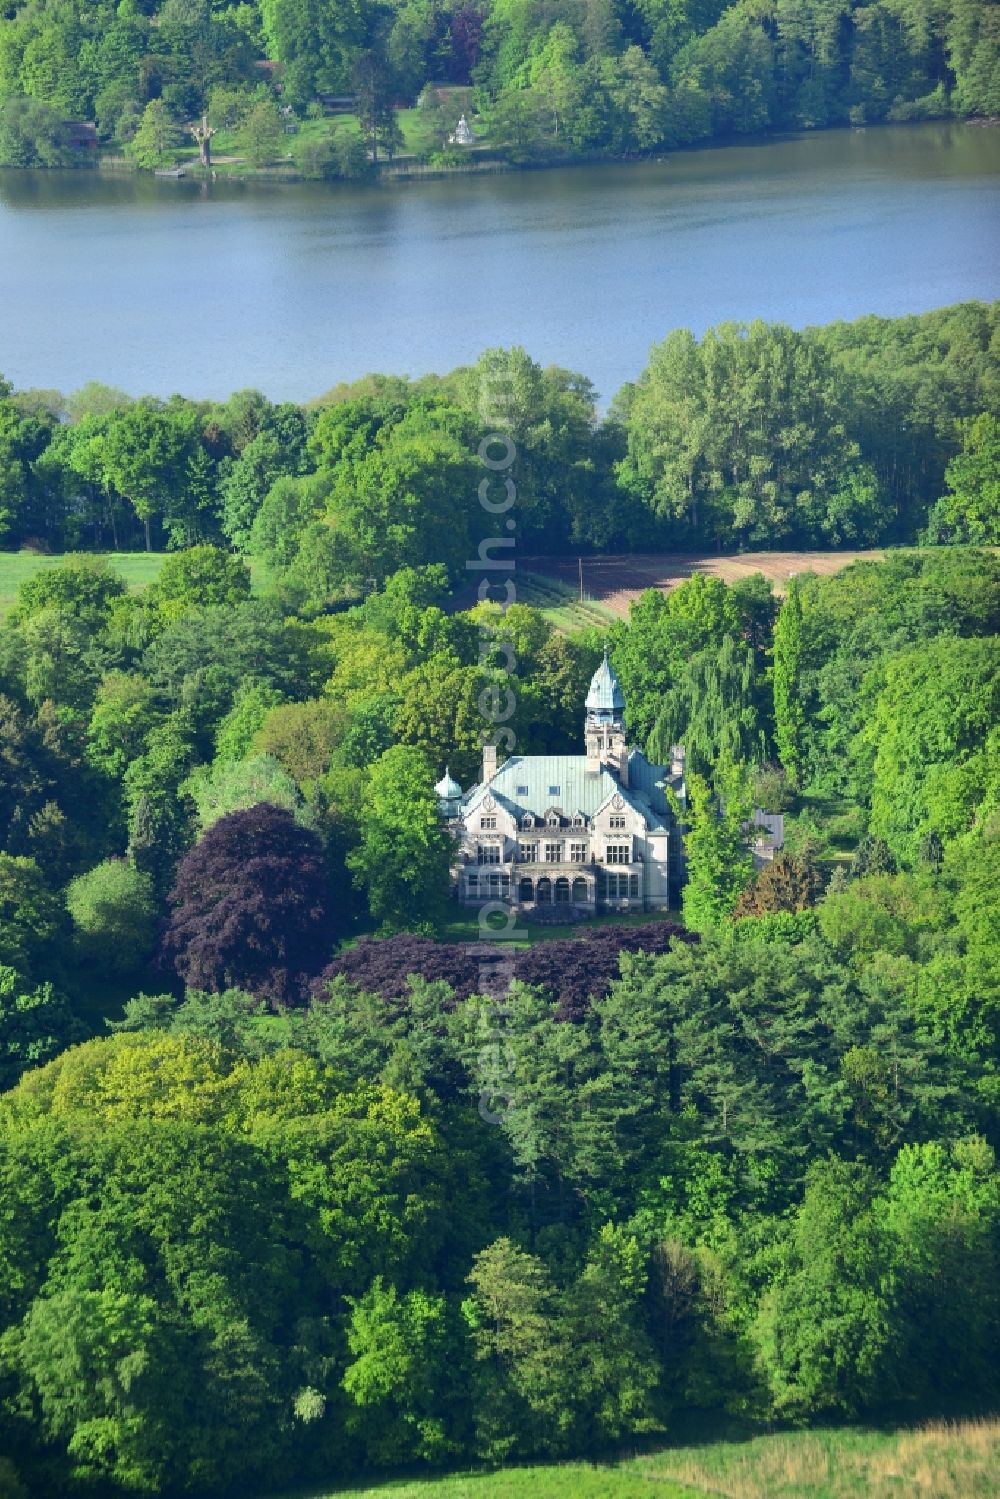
(579, 891)
(543, 890)
(562, 891)
(525, 891)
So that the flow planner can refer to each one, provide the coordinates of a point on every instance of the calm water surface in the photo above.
(161, 286)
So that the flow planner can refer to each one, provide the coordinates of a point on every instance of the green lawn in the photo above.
(465, 927)
(939, 1461)
(226, 143)
(137, 568)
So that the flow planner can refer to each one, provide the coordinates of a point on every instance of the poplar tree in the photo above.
(718, 860)
(789, 715)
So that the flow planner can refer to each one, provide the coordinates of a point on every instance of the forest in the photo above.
(545, 79)
(293, 1189)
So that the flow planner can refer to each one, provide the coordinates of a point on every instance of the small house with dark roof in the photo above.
(582, 833)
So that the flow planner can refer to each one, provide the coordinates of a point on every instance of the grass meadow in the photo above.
(941, 1460)
(137, 568)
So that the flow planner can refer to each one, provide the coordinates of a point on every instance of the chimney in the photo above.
(489, 762)
(623, 764)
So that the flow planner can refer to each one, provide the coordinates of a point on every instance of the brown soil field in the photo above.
(616, 581)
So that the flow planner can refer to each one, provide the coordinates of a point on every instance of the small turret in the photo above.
(449, 795)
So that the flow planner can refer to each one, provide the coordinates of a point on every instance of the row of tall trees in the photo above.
(852, 434)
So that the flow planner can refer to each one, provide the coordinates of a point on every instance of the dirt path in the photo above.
(616, 581)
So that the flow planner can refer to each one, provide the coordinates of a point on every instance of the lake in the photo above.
(159, 286)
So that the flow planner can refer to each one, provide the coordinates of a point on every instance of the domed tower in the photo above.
(449, 794)
(604, 725)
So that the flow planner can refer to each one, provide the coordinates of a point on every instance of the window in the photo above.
(578, 822)
(488, 853)
(473, 884)
(522, 790)
(618, 853)
(554, 791)
(553, 822)
(616, 822)
(527, 822)
(553, 853)
(578, 853)
(529, 853)
(616, 886)
(488, 822)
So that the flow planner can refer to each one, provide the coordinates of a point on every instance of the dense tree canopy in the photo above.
(550, 80)
(313, 1201)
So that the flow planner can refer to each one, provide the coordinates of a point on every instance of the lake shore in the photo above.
(407, 167)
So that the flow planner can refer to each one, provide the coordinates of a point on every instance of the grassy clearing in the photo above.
(942, 1460)
(945, 1460)
(227, 150)
(560, 603)
(137, 568)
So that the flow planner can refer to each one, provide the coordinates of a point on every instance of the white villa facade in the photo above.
(587, 833)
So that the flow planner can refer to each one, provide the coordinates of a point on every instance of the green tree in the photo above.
(405, 853)
(261, 137)
(970, 511)
(935, 739)
(157, 139)
(124, 713)
(32, 134)
(404, 1374)
(373, 102)
(147, 453)
(33, 925)
(303, 737)
(788, 707)
(942, 1206)
(521, 1354)
(36, 1023)
(715, 707)
(114, 914)
(717, 854)
(826, 1329)
(234, 785)
(83, 587)
(235, 732)
(742, 437)
(200, 576)
(618, 1368)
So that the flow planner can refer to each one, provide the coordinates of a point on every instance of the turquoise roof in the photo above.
(535, 783)
(605, 694)
(448, 787)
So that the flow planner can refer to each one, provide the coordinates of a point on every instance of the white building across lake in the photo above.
(584, 833)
